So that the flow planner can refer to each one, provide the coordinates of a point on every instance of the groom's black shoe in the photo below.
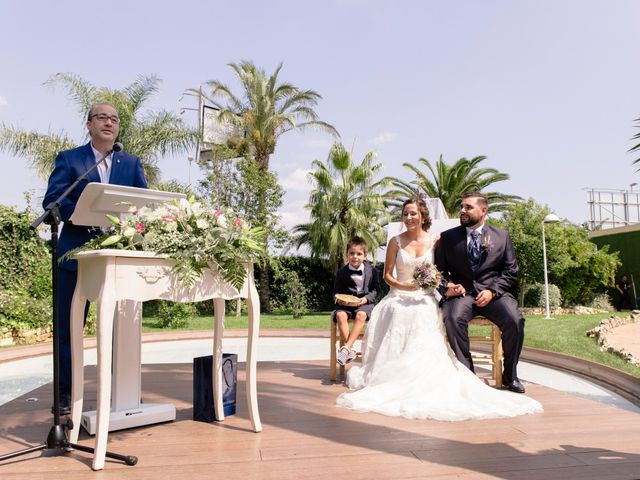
(515, 386)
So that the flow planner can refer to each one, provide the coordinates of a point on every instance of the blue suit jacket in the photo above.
(71, 164)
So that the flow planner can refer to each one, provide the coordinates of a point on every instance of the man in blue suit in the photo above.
(119, 168)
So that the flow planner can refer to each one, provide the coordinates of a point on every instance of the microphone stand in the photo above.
(58, 435)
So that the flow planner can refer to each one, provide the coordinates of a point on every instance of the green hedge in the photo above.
(534, 296)
(25, 272)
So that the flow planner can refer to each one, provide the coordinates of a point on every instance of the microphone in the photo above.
(51, 213)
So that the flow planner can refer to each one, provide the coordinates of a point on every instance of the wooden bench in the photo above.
(494, 340)
(336, 342)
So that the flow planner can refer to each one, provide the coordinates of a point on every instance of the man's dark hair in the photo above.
(357, 241)
(482, 200)
(90, 114)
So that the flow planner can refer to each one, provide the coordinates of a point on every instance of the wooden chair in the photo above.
(335, 343)
(494, 339)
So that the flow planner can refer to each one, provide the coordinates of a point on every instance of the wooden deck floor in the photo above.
(306, 437)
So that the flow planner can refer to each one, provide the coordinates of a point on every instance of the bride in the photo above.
(408, 368)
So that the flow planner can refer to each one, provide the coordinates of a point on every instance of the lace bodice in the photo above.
(406, 263)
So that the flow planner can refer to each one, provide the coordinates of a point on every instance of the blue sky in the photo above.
(546, 89)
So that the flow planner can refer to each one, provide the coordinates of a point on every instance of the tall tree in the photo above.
(264, 109)
(346, 201)
(576, 265)
(449, 182)
(148, 135)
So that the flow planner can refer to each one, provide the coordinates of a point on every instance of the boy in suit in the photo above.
(360, 280)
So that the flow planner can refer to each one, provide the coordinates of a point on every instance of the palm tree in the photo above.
(345, 202)
(450, 182)
(264, 110)
(148, 135)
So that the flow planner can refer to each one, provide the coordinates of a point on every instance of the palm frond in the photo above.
(81, 92)
(39, 149)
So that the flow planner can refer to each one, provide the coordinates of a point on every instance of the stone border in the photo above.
(24, 337)
(579, 310)
(622, 383)
(600, 333)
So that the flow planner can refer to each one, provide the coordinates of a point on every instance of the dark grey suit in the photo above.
(497, 271)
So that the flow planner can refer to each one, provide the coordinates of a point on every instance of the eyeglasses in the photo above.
(103, 117)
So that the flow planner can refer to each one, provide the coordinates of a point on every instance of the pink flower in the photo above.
(217, 213)
(237, 222)
(169, 219)
(139, 227)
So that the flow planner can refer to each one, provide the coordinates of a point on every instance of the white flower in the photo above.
(202, 223)
(129, 232)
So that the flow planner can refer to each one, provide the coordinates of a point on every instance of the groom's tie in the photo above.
(474, 250)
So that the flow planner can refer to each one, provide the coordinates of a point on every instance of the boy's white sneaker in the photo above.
(343, 355)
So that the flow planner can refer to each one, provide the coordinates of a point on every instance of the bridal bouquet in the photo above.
(193, 234)
(426, 276)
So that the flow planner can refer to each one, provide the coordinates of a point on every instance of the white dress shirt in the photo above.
(104, 169)
(358, 279)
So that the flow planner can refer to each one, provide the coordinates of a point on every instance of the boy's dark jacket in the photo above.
(345, 284)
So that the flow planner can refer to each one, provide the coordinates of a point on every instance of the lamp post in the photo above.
(550, 218)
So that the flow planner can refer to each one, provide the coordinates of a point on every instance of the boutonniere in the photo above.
(487, 245)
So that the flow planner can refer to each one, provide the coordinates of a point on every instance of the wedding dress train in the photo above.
(409, 370)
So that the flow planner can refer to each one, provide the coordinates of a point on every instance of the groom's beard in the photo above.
(468, 221)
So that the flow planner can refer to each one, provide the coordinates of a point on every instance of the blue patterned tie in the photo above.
(474, 250)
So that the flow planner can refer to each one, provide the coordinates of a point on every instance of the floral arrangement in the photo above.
(195, 235)
(426, 276)
(487, 244)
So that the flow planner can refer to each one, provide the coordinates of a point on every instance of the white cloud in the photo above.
(384, 137)
(293, 213)
(296, 180)
(3, 101)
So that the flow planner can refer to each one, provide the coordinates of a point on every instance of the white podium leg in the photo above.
(106, 309)
(127, 354)
(77, 364)
(218, 332)
(253, 307)
(127, 409)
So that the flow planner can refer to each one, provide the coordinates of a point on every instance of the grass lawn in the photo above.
(564, 333)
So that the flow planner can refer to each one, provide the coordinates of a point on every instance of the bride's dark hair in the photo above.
(422, 208)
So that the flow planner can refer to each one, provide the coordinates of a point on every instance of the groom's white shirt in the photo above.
(469, 230)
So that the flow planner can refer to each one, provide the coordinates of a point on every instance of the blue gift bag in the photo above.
(203, 408)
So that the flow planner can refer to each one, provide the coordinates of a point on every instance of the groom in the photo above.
(479, 267)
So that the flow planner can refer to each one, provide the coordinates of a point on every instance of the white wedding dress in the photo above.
(409, 370)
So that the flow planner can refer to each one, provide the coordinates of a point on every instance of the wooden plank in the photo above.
(306, 435)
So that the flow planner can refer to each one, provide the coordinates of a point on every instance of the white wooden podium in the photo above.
(119, 280)
(110, 276)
